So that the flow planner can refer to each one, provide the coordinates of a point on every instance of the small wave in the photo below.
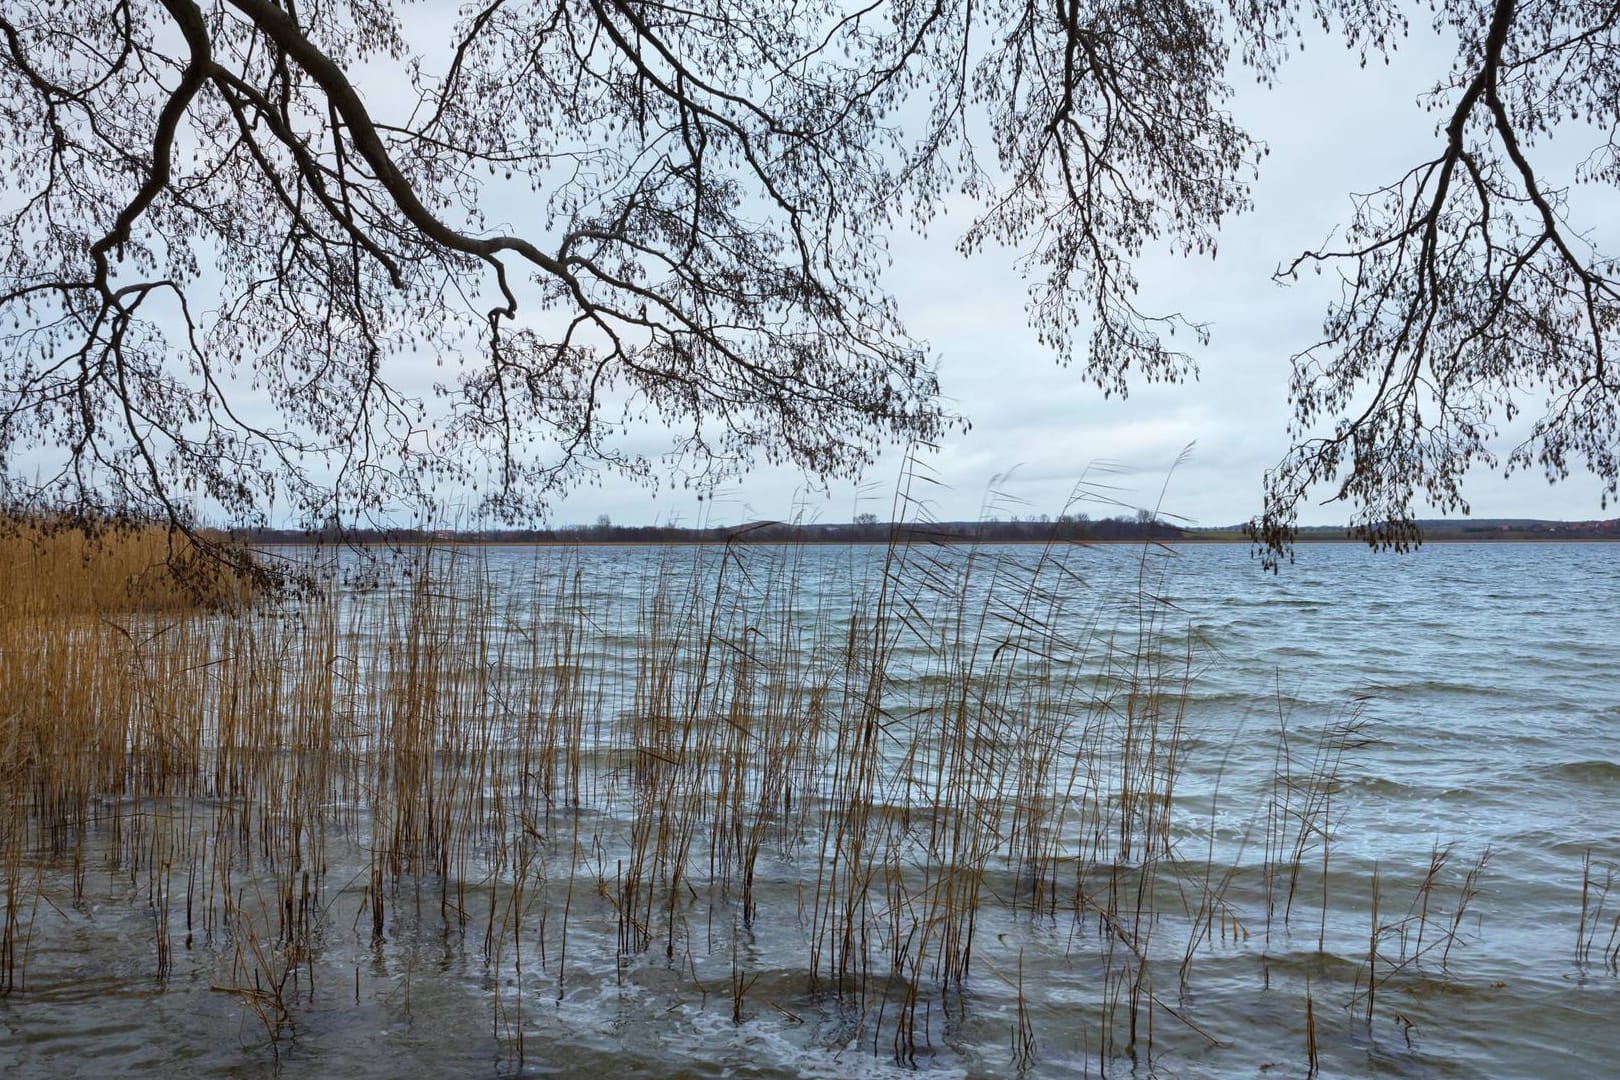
(1587, 771)
(1436, 687)
(1228, 700)
(1271, 603)
(1385, 787)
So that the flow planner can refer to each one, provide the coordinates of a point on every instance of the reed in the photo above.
(1595, 895)
(1401, 950)
(733, 780)
(55, 568)
(1312, 1059)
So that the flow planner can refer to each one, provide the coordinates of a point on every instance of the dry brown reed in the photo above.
(50, 569)
(1595, 895)
(1404, 948)
(549, 779)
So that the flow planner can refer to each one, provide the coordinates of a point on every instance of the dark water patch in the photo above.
(1280, 603)
(1429, 687)
(130, 1031)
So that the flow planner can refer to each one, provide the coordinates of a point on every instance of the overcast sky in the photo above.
(1039, 430)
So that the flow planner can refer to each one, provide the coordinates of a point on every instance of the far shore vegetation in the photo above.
(867, 529)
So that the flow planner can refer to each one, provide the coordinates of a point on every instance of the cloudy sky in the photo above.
(1038, 430)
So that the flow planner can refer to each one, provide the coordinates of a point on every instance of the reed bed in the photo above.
(64, 568)
(865, 814)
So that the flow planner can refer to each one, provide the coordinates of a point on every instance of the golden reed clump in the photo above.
(60, 568)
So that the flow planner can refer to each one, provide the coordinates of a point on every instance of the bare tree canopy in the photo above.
(239, 235)
(1469, 296)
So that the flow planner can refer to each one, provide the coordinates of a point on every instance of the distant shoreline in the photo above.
(1108, 531)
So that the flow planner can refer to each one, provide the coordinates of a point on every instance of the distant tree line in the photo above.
(865, 529)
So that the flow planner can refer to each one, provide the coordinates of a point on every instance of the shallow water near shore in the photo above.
(832, 811)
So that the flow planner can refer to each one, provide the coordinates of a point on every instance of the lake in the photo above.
(831, 811)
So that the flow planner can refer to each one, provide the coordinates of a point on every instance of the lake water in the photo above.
(833, 811)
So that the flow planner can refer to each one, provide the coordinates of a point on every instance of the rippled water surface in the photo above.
(1151, 813)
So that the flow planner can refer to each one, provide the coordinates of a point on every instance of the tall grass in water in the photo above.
(868, 812)
(99, 712)
(57, 569)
